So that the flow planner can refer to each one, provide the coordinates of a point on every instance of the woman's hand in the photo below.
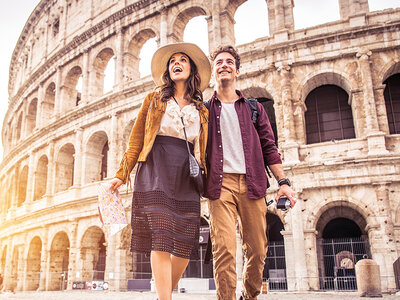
(115, 184)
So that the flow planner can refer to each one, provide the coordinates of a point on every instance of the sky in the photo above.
(252, 14)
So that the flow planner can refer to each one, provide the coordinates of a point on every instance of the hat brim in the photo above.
(163, 54)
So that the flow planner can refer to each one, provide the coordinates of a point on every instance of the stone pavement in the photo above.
(106, 295)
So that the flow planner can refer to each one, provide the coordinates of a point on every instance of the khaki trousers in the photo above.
(224, 213)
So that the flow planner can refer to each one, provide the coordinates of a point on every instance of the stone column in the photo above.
(227, 23)
(7, 268)
(51, 167)
(63, 8)
(163, 26)
(289, 145)
(290, 259)
(73, 255)
(78, 168)
(22, 266)
(39, 112)
(376, 139)
(85, 78)
(388, 241)
(381, 109)
(111, 261)
(310, 245)
(43, 260)
(31, 179)
(280, 15)
(119, 63)
(58, 100)
(300, 263)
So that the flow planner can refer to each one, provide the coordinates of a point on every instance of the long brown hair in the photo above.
(192, 94)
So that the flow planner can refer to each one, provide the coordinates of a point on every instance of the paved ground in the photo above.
(105, 295)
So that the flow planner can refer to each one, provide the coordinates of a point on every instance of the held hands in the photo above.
(115, 184)
(285, 190)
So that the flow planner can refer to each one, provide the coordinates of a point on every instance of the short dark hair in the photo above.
(229, 49)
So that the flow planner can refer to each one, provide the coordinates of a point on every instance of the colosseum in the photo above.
(332, 93)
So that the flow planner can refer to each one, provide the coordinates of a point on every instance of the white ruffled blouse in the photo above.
(171, 124)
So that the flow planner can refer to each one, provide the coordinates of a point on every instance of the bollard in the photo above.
(368, 278)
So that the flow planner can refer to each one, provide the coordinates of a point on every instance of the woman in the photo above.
(165, 204)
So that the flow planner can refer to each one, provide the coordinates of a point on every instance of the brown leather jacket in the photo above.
(144, 132)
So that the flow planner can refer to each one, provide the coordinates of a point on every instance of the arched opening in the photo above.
(48, 103)
(71, 91)
(196, 32)
(31, 117)
(93, 254)
(392, 102)
(251, 14)
(138, 57)
(33, 264)
(275, 263)
(96, 157)
(341, 242)
(22, 185)
(328, 116)
(65, 167)
(59, 260)
(41, 178)
(103, 69)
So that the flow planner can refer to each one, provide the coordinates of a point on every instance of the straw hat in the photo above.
(163, 54)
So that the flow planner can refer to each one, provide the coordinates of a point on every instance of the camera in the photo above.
(283, 203)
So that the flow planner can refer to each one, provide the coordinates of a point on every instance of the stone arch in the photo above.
(126, 134)
(70, 96)
(391, 68)
(131, 57)
(319, 78)
(65, 165)
(22, 185)
(41, 177)
(33, 264)
(31, 117)
(16, 267)
(48, 103)
(184, 16)
(93, 254)
(232, 6)
(99, 65)
(96, 157)
(59, 260)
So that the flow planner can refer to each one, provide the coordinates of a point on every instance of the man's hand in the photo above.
(285, 190)
(115, 184)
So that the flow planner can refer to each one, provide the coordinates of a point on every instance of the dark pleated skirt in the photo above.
(165, 205)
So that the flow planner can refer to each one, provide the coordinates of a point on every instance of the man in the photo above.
(237, 181)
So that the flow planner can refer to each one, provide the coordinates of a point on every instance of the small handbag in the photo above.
(196, 173)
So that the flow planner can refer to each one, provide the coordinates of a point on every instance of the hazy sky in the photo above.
(252, 14)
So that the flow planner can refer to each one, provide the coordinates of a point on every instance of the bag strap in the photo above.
(184, 130)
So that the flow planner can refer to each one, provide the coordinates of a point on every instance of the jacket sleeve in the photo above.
(267, 139)
(136, 141)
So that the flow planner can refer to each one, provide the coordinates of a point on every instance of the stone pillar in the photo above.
(7, 268)
(310, 245)
(51, 167)
(111, 276)
(381, 109)
(73, 255)
(31, 179)
(387, 228)
(85, 78)
(290, 260)
(227, 23)
(78, 168)
(289, 145)
(21, 268)
(63, 8)
(300, 262)
(39, 112)
(354, 10)
(119, 63)
(113, 157)
(163, 26)
(43, 260)
(376, 139)
(58, 100)
(281, 21)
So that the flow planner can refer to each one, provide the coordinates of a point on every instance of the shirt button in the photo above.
(220, 175)
(221, 160)
(219, 131)
(219, 106)
(219, 146)
(217, 117)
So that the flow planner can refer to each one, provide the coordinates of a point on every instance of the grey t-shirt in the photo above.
(232, 144)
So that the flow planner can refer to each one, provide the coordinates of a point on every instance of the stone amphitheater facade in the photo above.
(59, 143)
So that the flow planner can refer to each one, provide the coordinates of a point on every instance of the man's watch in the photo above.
(284, 181)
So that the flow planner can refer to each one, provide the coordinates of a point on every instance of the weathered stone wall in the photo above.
(54, 147)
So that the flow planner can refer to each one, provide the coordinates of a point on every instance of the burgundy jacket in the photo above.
(258, 148)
